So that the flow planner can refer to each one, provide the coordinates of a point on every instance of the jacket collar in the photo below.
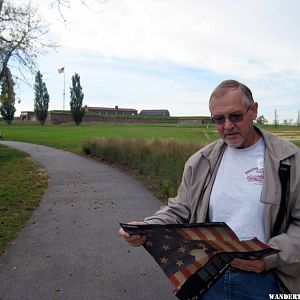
(213, 152)
(278, 149)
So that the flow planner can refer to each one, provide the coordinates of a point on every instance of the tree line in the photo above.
(41, 98)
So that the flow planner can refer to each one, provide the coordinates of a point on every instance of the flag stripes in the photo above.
(209, 233)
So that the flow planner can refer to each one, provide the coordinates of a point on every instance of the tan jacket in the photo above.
(191, 203)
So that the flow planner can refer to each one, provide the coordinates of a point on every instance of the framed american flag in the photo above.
(194, 256)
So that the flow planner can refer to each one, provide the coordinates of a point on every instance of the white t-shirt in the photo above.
(235, 197)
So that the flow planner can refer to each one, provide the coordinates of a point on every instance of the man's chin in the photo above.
(234, 143)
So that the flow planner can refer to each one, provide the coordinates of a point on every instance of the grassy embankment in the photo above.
(158, 163)
(22, 184)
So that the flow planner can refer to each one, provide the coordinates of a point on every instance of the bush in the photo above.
(162, 161)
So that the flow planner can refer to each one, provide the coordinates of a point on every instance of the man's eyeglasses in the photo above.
(234, 117)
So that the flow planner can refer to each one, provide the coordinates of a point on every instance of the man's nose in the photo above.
(228, 124)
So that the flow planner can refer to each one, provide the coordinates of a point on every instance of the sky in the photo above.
(170, 54)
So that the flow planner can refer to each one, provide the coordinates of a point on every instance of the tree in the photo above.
(276, 120)
(22, 36)
(76, 99)
(41, 98)
(261, 120)
(7, 97)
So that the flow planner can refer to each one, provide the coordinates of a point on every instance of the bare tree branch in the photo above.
(23, 36)
(63, 5)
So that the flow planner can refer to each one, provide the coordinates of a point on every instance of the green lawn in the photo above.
(22, 184)
(70, 137)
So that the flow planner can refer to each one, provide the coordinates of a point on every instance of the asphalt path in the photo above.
(70, 248)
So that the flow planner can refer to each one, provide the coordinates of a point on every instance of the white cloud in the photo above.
(244, 38)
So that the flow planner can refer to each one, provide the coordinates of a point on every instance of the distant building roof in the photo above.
(155, 112)
(115, 109)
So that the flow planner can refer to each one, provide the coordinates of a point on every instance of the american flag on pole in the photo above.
(61, 70)
(194, 256)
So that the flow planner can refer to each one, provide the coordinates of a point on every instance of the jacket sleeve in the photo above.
(287, 261)
(178, 208)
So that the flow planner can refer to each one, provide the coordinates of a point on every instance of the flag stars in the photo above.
(179, 262)
(149, 243)
(166, 247)
(182, 249)
(163, 260)
(168, 237)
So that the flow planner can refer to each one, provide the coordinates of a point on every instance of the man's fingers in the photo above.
(123, 233)
(134, 240)
(257, 265)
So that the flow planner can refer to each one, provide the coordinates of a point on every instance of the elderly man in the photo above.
(236, 180)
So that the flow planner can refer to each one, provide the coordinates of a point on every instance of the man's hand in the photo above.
(256, 265)
(134, 240)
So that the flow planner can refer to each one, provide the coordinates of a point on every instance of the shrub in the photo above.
(162, 161)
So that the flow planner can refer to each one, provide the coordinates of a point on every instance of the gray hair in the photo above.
(227, 85)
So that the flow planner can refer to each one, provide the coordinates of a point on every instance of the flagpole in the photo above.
(62, 70)
(64, 92)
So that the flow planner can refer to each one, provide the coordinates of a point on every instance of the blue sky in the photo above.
(170, 54)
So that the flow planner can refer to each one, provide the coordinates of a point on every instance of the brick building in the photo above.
(111, 111)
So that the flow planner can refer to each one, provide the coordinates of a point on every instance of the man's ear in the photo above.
(254, 109)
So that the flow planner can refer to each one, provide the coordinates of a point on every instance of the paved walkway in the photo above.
(70, 248)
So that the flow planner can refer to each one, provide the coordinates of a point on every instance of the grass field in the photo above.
(70, 137)
(22, 184)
